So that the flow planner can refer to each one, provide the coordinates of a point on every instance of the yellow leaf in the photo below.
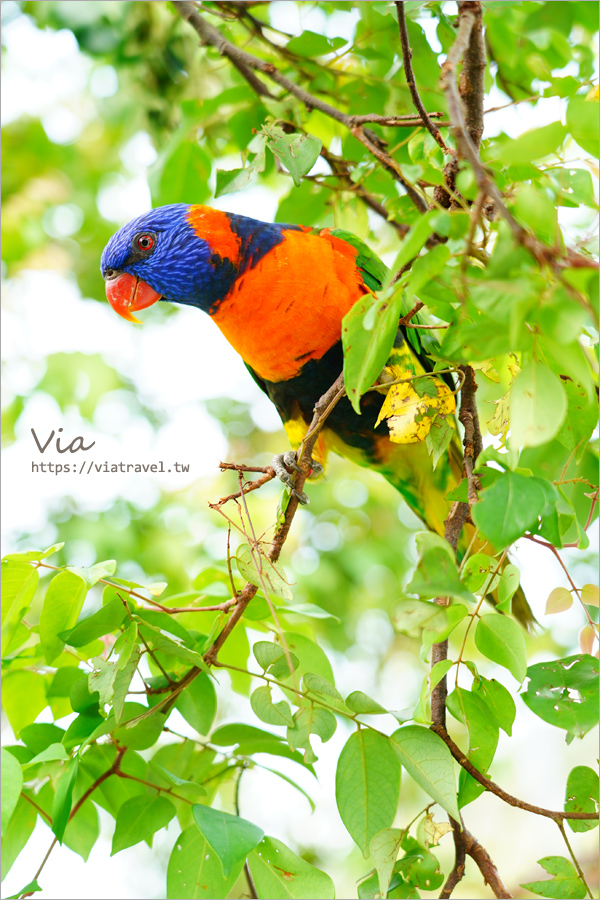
(499, 422)
(587, 636)
(434, 831)
(589, 594)
(559, 600)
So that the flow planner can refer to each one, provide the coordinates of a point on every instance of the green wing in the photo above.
(373, 270)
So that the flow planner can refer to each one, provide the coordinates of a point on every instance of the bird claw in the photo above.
(281, 463)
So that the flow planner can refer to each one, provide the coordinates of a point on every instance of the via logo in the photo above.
(75, 445)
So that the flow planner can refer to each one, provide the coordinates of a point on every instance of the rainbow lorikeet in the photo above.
(279, 294)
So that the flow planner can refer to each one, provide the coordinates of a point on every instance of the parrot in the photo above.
(279, 294)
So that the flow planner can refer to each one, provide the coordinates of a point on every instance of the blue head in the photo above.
(176, 250)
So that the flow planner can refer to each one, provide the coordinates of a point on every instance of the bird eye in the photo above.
(145, 242)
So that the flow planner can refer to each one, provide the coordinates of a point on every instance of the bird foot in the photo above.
(283, 462)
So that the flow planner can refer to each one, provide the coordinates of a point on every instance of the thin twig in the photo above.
(493, 788)
(410, 80)
(236, 800)
(561, 828)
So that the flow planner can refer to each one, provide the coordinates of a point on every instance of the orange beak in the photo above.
(127, 294)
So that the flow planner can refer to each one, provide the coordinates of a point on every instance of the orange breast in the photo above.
(289, 307)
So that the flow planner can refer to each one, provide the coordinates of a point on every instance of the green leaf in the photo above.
(582, 122)
(501, 640)
(316, 684)
(310, 610)
(62, 605)
(279, 874)
(139, 819)
(416, 238)
(30, 888)
(83, 831)
(12, 783)
(409, 615)
(309, 43)
(565, 884)
(61, 808)
(361, 703)
(425, 268)
(19, 584)
(564, 692)
(533, 144)
(194, 871)
(197, 703)
(272, 576)
(142, 733)
(472, 710)
(311, 656)
(436, 574)
(231, 837)
(102, 679)
(508, 586)
(538, 405)
(107, 619)
(499, 701)
(17, 833)
(509, 508)
(268, 712)
(238, 732)
(40, 735)
(306, 721)
(93, 574)
(23, 698)
(34, 555)
(427, 759)
(384, 850)
(231, 180)
(51, 753)
(368, 333)
(438, 438)
(160, 641)
(181, 173)
(367, 785)
(122, 681)
(582, 796)
(266, 653)
(296, 152)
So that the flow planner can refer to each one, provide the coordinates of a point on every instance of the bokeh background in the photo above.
(95, 99)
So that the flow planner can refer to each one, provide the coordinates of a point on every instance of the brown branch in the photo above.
(471, 85)
(268, 475)
(493, 788)
(460, 857)
(410, 80)
(468, 19)
(246, 63)
(322, 409)
(455, 521)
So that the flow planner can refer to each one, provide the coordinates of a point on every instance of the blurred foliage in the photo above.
(351, 555)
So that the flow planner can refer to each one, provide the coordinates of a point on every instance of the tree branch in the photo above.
(410, 79)
(246, 63)
(468, 19)
(493, 788)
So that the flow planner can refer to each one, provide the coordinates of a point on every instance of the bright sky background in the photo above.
(176, 363)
